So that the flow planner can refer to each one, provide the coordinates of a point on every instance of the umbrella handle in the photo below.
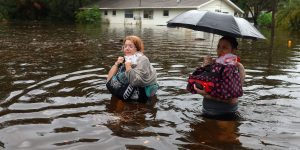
(212, 43)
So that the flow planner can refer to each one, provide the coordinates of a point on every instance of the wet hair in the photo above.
(138, 43)
(233, 42)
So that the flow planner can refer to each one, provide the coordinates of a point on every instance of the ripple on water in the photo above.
(13, 94)
(36, 92)
(93, 81)
(177, 66)
(66, 90)
(174, 71)
(154, 64)
(86, 71)
(51, 85)
(25, 144)
(28, 106)
(64, 129)
(23, 82)
(66, 103)
(81, 77)
(157, 69)
(55, 78)
(25, 98)
(2, 77)
(292, 79)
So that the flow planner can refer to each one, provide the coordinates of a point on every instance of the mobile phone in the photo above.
(199, 86)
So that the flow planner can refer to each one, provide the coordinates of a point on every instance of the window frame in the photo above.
(148, 14)
(128, 13)
(166, 13)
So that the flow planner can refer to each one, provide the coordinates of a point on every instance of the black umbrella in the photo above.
(217, 23)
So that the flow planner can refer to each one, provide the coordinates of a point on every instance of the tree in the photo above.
(288, 15)
(254, 7)
(88, 16)
(40, 9)
(7, 7)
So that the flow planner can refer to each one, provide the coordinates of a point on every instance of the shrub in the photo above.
(3, 13)
(92, 15)
(288, 15)
(265, 19)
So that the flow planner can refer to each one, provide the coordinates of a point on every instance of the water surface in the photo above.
(53, 94)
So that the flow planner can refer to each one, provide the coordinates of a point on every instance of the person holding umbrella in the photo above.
(218, 107)
(225, 25)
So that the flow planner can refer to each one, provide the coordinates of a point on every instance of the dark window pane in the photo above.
(128, 14)
(166, 12)
(148, 14)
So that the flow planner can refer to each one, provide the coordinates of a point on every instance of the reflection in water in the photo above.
(214, 134)
(2, 144)
(53, 93)
(132, 117)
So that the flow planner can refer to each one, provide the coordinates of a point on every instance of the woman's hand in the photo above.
(113, 70)
(207, 60)
(119, 60)
(128, 65)
(206, 95)
(202, 92)
(241, 72)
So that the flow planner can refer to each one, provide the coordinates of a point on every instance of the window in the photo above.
(114, 12)
(166, 13)
(105, 12)
(128, 14)
(148, 14)
(217, 10)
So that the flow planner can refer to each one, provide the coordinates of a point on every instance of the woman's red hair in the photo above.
(138, 43)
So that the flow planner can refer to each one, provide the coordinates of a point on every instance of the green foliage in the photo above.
(3, 14)
(254, 7)
(6, 9)
(62, 10)
(265, 19)
(288, 15)
(88, 16)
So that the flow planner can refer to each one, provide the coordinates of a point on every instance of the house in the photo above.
(158, 12)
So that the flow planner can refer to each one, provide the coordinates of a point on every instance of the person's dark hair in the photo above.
(233, 42)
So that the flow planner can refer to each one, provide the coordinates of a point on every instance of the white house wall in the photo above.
(158, 18)
(109, 18)
(218, 5)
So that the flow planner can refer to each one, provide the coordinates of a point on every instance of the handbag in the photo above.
(229, 85)
(218, 80)
(120, 87)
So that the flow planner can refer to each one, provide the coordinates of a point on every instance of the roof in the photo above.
(142, 4)
(121, 4)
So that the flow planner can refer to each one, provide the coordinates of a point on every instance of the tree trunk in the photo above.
(274, 6)
(80, 3)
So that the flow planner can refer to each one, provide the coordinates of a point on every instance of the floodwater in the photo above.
(53, 93)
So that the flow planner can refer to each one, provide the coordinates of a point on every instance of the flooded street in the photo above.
(53, 93)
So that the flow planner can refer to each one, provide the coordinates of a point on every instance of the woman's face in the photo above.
(129, 48)
(224, 47)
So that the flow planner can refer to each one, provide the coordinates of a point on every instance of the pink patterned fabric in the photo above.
(227, 59)
(226, 79)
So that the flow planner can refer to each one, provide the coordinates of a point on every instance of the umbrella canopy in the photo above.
(217, 23)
